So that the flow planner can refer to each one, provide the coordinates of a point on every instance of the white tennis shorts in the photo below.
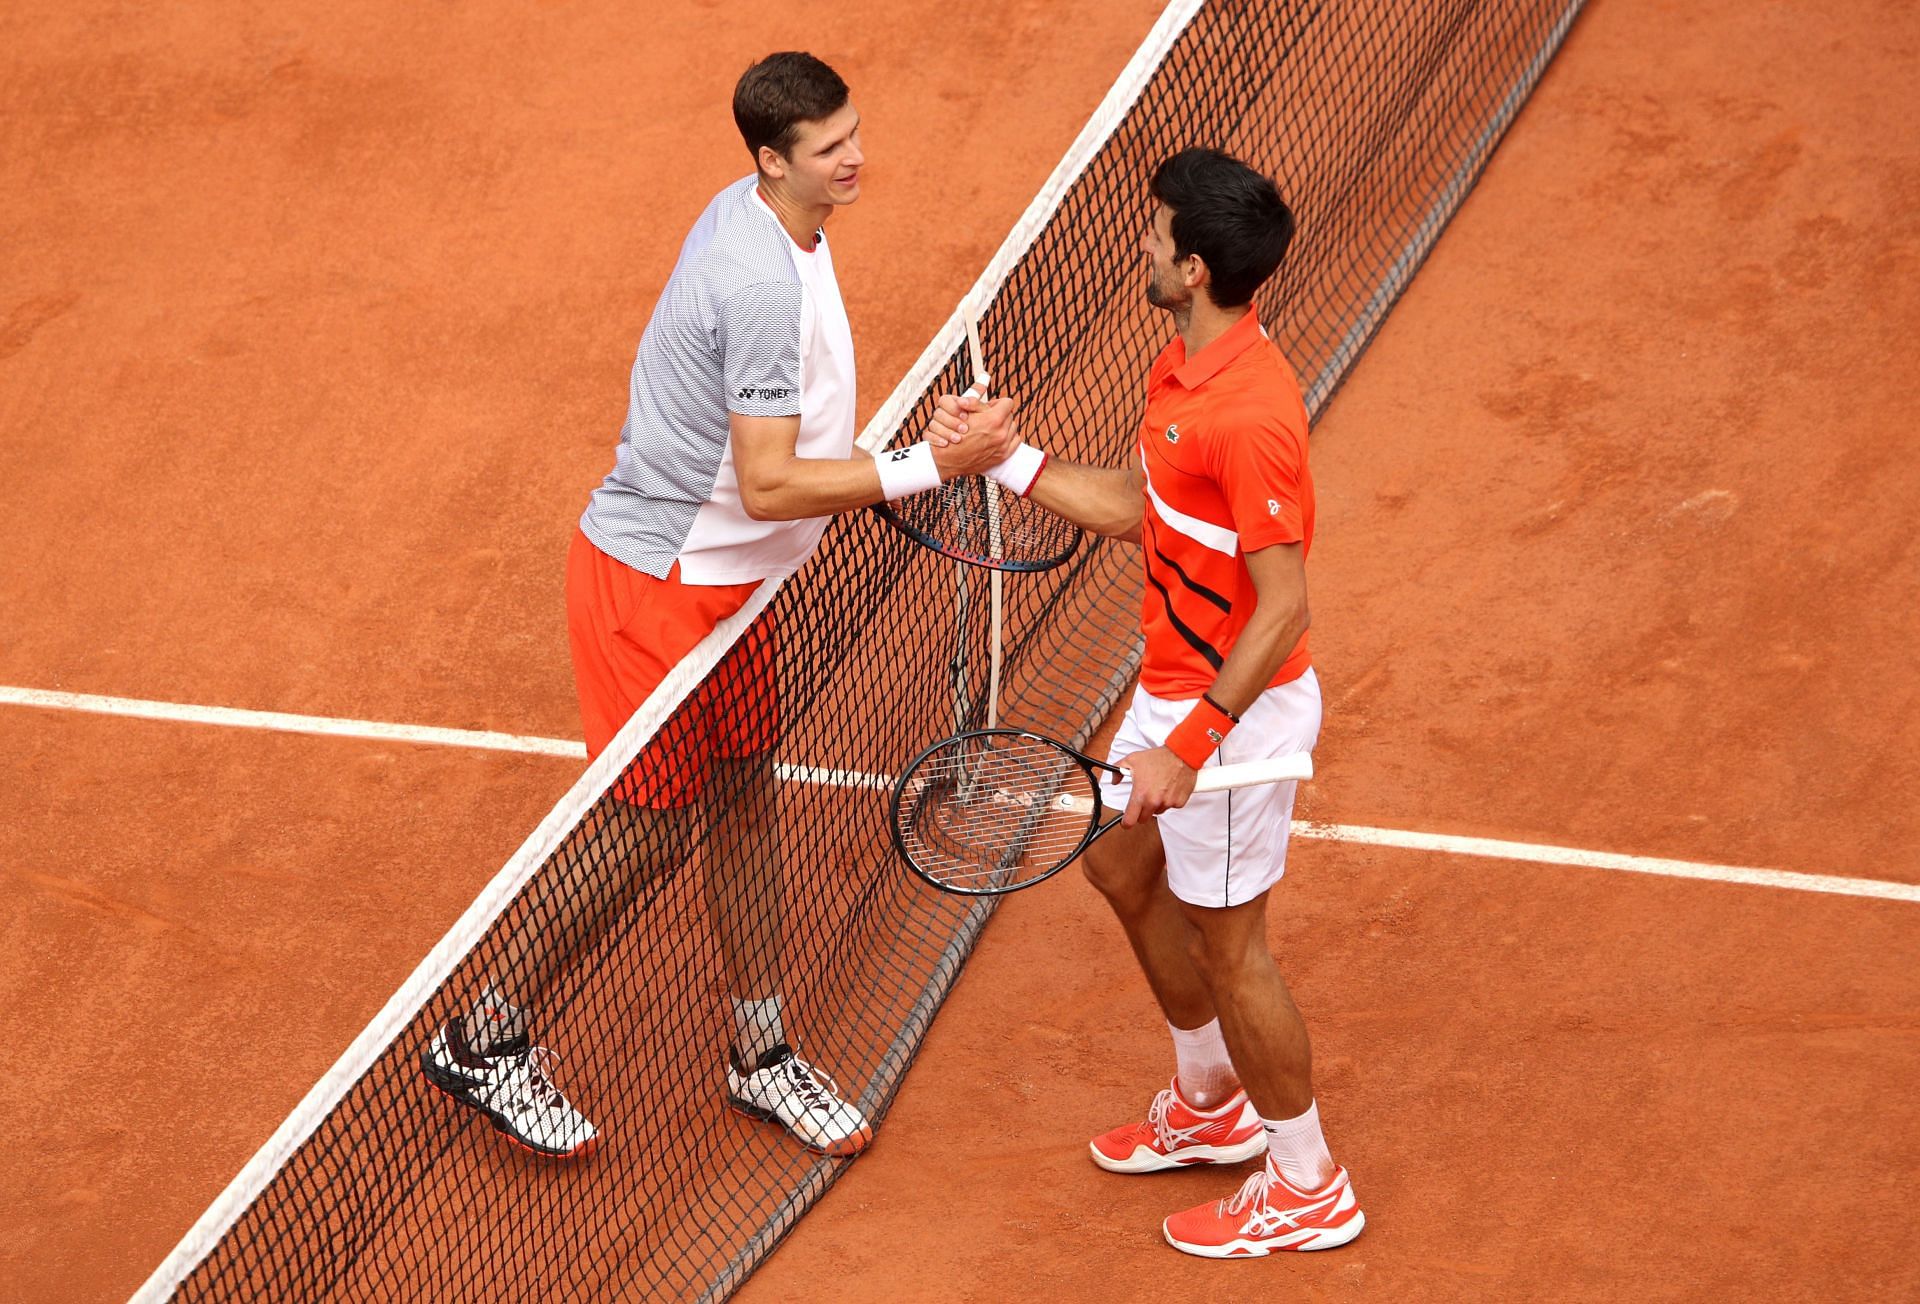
(1225, 848)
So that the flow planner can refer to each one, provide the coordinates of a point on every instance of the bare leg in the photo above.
(746, 895)
(1128, 867)
(609, 862)
(745, 890)
(1263, 1029)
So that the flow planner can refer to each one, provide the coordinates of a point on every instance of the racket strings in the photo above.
(972, 517)
(984, 812)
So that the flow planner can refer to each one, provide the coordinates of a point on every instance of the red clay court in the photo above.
(314, 335)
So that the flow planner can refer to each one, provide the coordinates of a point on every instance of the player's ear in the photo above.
(1194, 273)
(771, 163)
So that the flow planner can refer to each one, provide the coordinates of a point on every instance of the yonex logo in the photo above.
(899, 454)
(1173, 434)
(765, 393)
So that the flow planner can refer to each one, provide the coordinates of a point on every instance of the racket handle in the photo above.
(974, 354)
(1218, 778)
(1247, 774)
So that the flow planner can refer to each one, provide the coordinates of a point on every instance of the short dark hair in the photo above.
(1230, 215)
(776, 95)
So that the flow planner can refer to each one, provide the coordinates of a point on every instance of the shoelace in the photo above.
(1165, 1133)
(815, 1089)
(1254, 1193)
(1253, 1190)
(538, 1064)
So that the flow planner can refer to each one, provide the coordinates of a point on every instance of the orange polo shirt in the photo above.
(1224, 448)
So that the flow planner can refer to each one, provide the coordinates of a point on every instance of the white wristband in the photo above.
(1020, 470)
(908, 470)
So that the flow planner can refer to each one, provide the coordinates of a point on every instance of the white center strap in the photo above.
(909, 470)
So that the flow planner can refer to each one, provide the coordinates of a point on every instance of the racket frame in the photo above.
(1295, 767)
(1054, 807)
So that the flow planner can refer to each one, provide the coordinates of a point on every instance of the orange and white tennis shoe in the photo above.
(1267, 1215)
(1176, 1135)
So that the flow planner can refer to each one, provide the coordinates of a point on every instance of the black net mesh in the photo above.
(1374, 119)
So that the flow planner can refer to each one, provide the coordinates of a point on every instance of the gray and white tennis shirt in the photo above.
(748, 323)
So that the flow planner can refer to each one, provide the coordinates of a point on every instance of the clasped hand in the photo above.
(966, 429)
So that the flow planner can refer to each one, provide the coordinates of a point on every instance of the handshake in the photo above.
(970, 435)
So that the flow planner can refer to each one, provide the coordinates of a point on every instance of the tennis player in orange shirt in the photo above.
(1219, 498)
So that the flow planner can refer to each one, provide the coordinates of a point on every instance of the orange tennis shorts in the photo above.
(628, 631)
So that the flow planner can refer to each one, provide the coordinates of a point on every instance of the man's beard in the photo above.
(1158, 296)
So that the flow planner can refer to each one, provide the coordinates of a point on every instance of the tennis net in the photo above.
(1376, 120)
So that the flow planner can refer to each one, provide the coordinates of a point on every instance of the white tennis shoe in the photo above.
(787, 1090)
(514, 1089)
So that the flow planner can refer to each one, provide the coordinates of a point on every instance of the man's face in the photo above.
(1166, 282)
(823, 166)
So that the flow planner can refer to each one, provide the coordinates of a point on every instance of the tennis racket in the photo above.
(973, 519)
(996, 810)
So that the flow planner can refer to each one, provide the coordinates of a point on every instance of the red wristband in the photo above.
(1044, 456)
(1196, 738)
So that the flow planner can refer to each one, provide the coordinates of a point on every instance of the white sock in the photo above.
(1297, 1150)
(1204, 1071)
(756, 1029)
(494, 1021)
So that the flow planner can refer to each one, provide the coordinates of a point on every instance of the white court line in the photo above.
(1495, 849)
(1448, 844)
(281, 722)
(833, 778)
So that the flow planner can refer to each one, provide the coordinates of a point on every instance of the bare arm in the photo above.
(1279, 618)
(777, 484)
(1108, 500)
(1104, 499)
